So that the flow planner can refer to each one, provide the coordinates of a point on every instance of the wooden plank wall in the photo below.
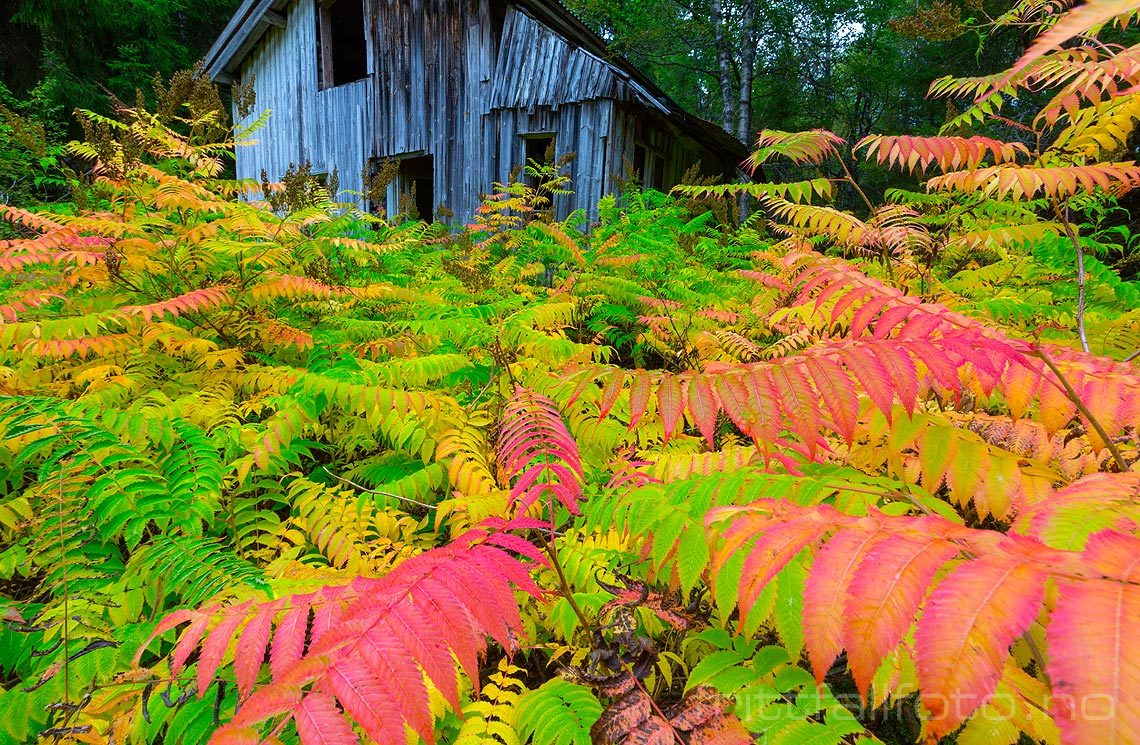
(328, 127)
(442, 86)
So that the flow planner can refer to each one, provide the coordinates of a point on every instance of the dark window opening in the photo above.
(343, 49)
(498, 22)
(539, 150)
(417, 188)
(659, 173)
(649, 167)
(639, 157)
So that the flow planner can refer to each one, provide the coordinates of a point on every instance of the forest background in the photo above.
(850, 66)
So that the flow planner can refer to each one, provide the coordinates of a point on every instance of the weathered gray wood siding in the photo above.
(544, 85)
(433, 69)
(440, 84)
(329, 128)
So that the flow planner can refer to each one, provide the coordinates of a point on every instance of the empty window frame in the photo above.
(342, 46)
(650, 166)
(538, 148)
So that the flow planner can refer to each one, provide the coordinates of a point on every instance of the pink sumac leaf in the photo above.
(891, 318)
(825, 595)
(462, 637)
(829, 291)
(518, 545)
(749, 400)
(250, 652)
(848, 300)
(703, 406)
(365, 698)
(496, 611)
(732, 394)
(398, 673)
(216, 643)
(922, 323)
(942, 369)
(1094, 661)
(774, 548)
(423, 637)
(289, 639)
(328, 612)
(189, 641)
(497, 565)
(166, 624)
(535, 441)
(872, 376)
(838, 394)
(381, 639)
(867, 312)
(671, 403)
(320, 722)
(965, 632)
(639, 391)
(763, 407)
(800, 403)
(884, 596)
(903, 374)
(267, 702)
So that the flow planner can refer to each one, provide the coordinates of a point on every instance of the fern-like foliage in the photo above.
(870, 578)
(536, 445)
(363, 647)
(493, 718)
(559, 712)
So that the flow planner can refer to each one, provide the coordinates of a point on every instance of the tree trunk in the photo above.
(747, 71)
(724, 66)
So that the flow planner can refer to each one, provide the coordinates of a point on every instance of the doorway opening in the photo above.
(417, 188)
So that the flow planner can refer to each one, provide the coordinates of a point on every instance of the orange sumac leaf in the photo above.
(639, 391)
(610, 393)
(1094, 662)
(774, 548)
(965, 632)
(948, 153)
(885, 594)
(825, 595)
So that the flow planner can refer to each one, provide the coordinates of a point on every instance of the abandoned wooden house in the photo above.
(459, 93)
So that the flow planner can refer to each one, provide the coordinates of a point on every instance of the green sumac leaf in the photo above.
(692, 556)
(558, 713)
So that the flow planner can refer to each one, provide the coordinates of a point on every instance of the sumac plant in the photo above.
(277, 470)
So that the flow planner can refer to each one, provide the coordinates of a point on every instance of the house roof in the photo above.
(254, 17)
